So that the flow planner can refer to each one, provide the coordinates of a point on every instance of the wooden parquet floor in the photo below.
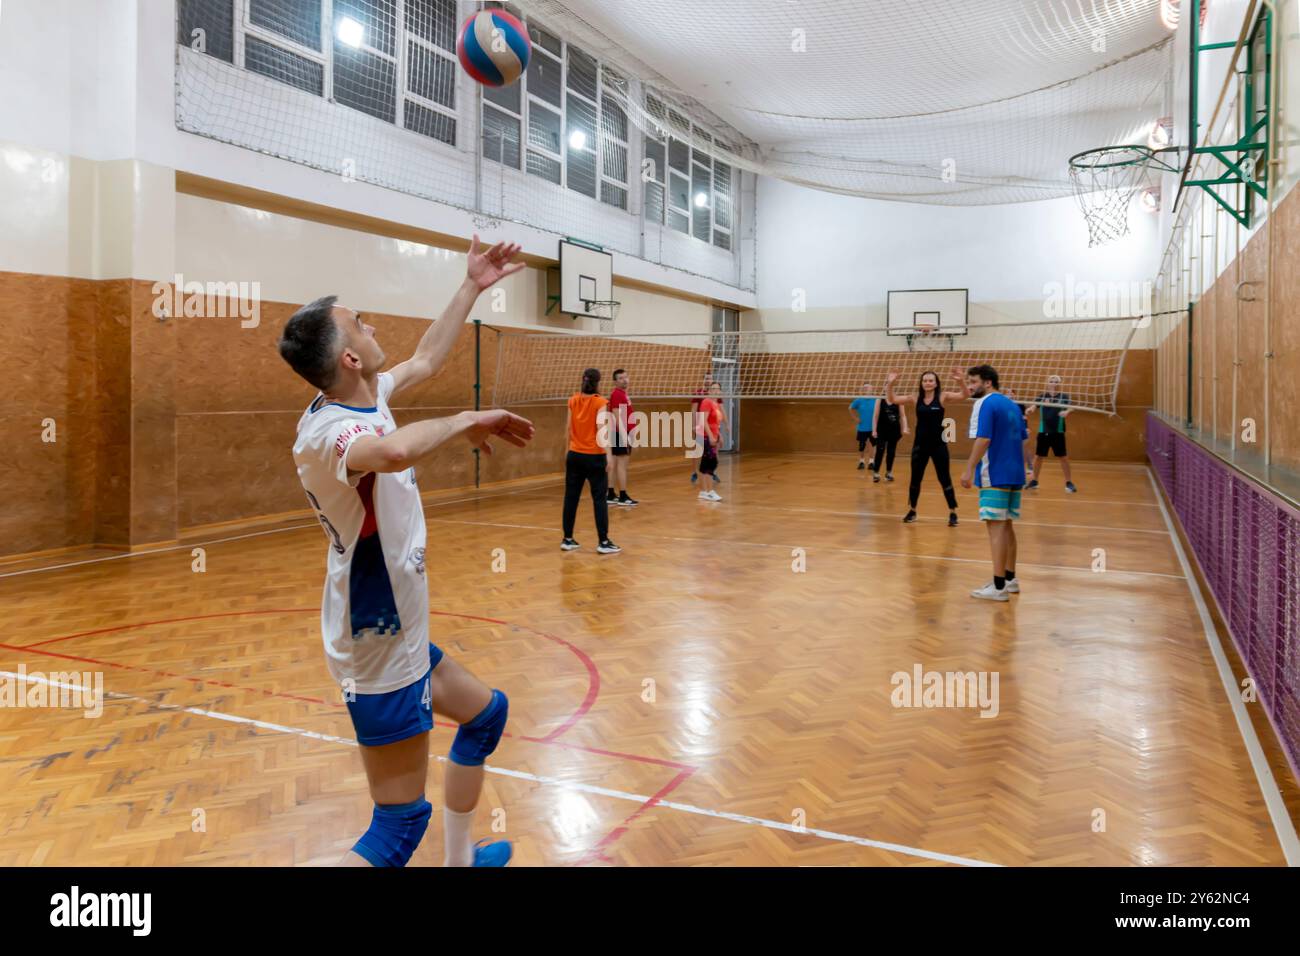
(693, 700)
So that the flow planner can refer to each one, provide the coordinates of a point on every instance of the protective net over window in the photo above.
(641, 125)
(945, 101)
(371, 91)
(1087, 354)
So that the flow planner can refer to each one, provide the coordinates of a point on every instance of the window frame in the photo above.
(244, 27)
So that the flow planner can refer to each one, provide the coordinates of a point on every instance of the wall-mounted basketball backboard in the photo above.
(586, 280)
(945, 309)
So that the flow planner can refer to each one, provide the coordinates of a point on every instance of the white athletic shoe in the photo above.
(1013, 587)
(990, 593)
(706, 496)
(715, 496)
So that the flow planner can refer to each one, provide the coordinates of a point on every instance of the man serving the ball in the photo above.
(358, 470)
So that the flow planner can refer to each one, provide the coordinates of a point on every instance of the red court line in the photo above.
(597, 852)
(593, 675)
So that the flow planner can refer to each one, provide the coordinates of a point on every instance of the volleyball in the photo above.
(493, 47)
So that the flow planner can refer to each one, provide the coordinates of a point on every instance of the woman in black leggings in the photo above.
(929, 444)
(891, 425)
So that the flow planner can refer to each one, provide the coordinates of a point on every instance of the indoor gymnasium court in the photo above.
(837, 268)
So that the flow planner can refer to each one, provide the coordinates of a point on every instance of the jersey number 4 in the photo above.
(330, 530)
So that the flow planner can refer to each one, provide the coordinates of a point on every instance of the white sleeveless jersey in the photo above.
(375, 608)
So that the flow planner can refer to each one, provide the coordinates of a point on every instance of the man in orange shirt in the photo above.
(585, 462)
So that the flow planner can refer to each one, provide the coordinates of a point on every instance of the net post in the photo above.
(1187, 418)
(478, 384)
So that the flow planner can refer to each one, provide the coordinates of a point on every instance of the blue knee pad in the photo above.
(395, 831)
(477, 739)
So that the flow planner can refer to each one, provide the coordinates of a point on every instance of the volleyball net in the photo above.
(1087, 355)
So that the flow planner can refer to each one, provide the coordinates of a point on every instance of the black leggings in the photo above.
(885, 449)
(578, 470)
(921, 455)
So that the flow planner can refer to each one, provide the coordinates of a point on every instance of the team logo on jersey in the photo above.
(345, 438)
(417, 559)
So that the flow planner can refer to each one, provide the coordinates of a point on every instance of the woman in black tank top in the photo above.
(929, 444)
(891, 426)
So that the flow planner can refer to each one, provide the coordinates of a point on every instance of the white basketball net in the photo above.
(1105, 182)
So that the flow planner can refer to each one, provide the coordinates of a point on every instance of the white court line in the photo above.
(1282, 823)
(536, 778)
(872, 554)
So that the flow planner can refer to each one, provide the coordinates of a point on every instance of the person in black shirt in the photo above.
(891, 425)
(928, 445)
(1051, 431)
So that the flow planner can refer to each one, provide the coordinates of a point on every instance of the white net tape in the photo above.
(1088, 355)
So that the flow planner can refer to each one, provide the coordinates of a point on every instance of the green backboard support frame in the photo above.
(1237, 159)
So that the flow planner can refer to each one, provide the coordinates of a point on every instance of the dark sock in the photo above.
(1011, 575)
(999, 583)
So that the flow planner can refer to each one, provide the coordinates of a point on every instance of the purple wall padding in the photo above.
(1247, 544)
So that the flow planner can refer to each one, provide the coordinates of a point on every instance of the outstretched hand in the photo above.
(499, 422)
(487, 267)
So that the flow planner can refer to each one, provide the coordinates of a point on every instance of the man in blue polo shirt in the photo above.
(997, 466)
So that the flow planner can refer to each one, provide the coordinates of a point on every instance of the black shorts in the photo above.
(709, 460)
(620, 450)
(1053, 441)
(864, 436)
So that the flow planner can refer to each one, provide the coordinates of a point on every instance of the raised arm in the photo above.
(959, 394)
(899, 400)
(401, 449)
(483, 269)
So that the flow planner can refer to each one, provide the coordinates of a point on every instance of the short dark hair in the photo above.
(590, 381)
(309, 342)
(987, 372)
(619, 371)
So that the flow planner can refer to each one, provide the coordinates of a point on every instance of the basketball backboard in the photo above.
(586, 278)
(945, 309)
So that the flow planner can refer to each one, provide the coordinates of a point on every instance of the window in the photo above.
(207, 27)
(574, 133)
(404, 74)
(686, 188)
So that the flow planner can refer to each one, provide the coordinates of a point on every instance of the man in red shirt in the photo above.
(620, 449)
(700, 395)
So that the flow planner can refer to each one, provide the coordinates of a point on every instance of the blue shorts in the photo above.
(387, 718)
(999, 504)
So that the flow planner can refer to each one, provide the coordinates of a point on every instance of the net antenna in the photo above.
(1105, 180)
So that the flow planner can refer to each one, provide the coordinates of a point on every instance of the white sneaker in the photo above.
(1013, 587)
(706, 496)
(990, 593)
(715, 496)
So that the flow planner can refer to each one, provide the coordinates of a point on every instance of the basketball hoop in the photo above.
(1105, 181)
(604, 309)
(925, 337)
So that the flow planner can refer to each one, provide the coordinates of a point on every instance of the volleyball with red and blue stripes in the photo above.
(494, 48)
